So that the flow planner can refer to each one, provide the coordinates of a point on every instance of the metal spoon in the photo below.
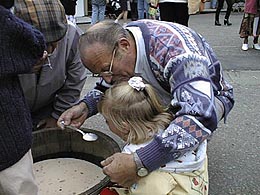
(86, 136)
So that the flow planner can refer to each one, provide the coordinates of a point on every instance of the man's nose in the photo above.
(108, 79)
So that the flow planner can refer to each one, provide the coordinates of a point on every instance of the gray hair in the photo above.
(106, 33)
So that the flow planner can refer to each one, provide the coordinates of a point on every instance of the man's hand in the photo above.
(47, 123)
(74, 116)
(38, 66)
(121, 169)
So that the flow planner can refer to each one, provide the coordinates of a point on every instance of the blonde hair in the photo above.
(140, 110)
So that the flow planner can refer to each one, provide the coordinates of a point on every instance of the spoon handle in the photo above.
(74, 129)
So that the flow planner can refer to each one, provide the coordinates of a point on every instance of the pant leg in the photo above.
(19, 178)
(220, 6)
(213, 3)
(174, 12)
(182, 13)
(94, 17)
(134, 15)
(140, 9)
(167, 11)
(101, 15)
(229, 8)
(146, 9)
(256, 28)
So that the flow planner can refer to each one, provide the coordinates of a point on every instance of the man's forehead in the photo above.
(96, 48)
(95, 51)
(93, 56)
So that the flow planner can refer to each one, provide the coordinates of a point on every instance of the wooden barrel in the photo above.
(56, 143)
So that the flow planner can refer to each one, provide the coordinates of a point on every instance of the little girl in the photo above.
(133, 112)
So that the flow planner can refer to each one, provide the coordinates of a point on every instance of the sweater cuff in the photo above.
(153, 156)
(91, 99)
(92, 106)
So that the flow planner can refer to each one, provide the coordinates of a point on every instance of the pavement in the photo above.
(233, 151)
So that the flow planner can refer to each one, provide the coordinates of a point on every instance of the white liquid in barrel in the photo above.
(66, 176)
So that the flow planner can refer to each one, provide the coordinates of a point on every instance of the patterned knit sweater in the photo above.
(184, 69)
(20, 47)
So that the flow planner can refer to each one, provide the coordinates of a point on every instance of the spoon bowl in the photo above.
(85, 136)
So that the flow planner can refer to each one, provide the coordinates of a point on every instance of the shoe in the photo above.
(256, 46)
(245, 47)
(217, 23)
(226, 22)
(116, 21)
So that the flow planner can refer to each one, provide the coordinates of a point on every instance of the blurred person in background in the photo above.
(134, 13)
(213, 4)
(143, 9)
(250, 25)
(174, 11)
(228, 12)
(153, 6)
(124, 12)
(98, 10)
(70, 9)
(178, 11)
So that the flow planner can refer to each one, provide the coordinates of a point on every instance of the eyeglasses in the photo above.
(109, 73)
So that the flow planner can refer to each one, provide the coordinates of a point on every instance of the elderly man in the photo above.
(57, 85)
(180, 65)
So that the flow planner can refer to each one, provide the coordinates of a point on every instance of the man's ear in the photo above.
(124, 44)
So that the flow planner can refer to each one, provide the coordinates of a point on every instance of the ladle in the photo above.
(85, 136)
